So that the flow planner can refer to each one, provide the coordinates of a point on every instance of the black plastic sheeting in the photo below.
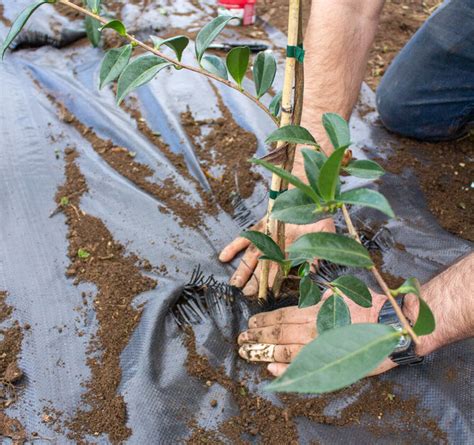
(160, 395)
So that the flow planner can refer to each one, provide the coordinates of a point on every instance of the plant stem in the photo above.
(158, 53)
(271, 227)
(386, 290)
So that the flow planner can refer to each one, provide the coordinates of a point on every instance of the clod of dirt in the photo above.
(10, 373)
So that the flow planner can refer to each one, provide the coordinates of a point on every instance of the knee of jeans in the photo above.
(395, 112)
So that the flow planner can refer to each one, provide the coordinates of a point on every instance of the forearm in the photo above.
(450, 296)
(337, 42)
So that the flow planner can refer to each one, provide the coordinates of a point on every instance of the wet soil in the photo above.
(376, 405)
(11, 337)
(95, 257)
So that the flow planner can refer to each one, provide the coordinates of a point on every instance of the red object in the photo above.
(244, 9)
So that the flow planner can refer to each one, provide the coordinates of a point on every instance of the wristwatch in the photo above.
(404, 353)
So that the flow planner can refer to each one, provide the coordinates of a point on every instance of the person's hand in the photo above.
(249, 268)
(278, 336)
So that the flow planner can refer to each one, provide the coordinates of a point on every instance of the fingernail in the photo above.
(272, 368)
(236, 281)
(243, 337)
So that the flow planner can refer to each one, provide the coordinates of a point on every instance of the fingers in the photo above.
(246, 267)
(285, 315)
(264, 352)
(232, 249)
(277, 369)
(280, 334)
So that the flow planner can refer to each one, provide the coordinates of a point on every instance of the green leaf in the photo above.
(114, 63)
(275, 104)
(329, 175)
(288, 177)
(367, 198)
(293, 134)
(338, 249)
(313, 161)
(137, 73)
(425, 323)
(364, 168)
(354, 289)
(94, 5)
(304, 269)
(237, 63)
(178, 44)
(337, 129)
(295, 207)
(265, 244)
(338, 358)
(264, 70)
(19, 23)
(310, 293)
(92, 30)
(214, 65)
(334, 313)
(209, 33)
(83, 253)
(116, 25)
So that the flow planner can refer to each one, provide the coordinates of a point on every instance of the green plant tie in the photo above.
(274, 194)
(297, 52)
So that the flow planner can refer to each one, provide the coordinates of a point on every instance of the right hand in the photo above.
(249, 268)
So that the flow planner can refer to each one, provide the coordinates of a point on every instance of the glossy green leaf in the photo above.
(425, 323)
(19, 23)
(288, 177)
(292, 134)
(214, 65)
(313, 161)
(337, 129)
(264, 70)
(354, 289)
(367, 198)
(137, 73)
(237, 63)
(334, 313)
(92, 30)
(114, 63)
(295, 207)
(275, 104)
(310, 294)
(265, 244)
(178, 44)
(304, 269)
(329, 175)
(332, 247)
(209, 33)
(116, 25)
(338, 358)
(364, 168)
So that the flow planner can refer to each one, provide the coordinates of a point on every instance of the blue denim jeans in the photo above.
(427, 92)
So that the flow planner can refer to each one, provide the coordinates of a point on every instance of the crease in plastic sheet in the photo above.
(159, 393)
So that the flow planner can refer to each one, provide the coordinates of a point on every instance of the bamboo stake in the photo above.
(291, 150)
(286, 118)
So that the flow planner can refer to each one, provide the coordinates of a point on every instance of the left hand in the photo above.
(279, 335)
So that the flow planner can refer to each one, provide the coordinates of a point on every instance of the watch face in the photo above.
(404, 342)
